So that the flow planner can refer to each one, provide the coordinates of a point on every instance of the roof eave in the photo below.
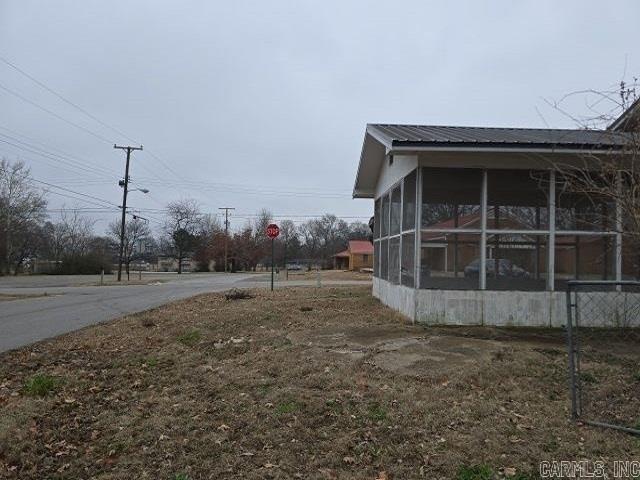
(405, 147)
(361, 194)
(626, 116)
(371, 134)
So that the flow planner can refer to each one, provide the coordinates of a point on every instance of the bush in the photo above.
(287, 407)
(190, 338)
(41, 385)
(476, 472)
(202, 266)
(88, 264)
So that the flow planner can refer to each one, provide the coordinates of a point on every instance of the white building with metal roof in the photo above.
(473, 226)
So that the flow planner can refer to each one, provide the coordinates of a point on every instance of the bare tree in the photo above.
(136, 231)
(74, 232)
(181, 227)
(310, 239)
(603, 189)
(288, 239)
(210, 242)
(261, 241)
(324, 236)
(27, 244)
(22, 210)
(359, 231)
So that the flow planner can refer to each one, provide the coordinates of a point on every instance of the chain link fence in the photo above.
(603, 338)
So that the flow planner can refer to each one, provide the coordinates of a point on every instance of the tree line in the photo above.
(314, 241)
(70, 244)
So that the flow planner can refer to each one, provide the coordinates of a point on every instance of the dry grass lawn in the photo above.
(300, 383)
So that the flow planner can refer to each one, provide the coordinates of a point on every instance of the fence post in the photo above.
(570, 348)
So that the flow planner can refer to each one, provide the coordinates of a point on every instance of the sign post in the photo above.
(272, 232)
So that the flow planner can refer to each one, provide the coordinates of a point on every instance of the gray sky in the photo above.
(264, 104)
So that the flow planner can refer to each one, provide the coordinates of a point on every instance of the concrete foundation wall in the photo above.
(398, 297)
(476, 307)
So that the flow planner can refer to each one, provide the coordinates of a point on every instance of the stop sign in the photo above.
(273, 230)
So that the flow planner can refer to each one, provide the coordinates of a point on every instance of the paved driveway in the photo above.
(70, 304)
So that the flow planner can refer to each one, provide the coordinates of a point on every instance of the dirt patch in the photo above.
(237, 294)
(326, 275)
(401, 350)
(208, 388)
(6, 297)
(115, 283)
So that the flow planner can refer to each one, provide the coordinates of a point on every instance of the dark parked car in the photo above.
(505, 269)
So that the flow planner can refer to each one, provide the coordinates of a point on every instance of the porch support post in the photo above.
(418, 231)
(401, 226)
(417, 249)
(483, 235)
(551, 242)
(618, 248)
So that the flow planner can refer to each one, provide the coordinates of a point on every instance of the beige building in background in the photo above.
(357, 256)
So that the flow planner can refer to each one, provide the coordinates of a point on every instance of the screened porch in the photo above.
(494, 229)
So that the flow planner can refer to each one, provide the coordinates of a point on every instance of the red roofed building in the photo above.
(357, 256)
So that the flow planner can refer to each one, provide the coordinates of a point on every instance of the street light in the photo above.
(143, 190)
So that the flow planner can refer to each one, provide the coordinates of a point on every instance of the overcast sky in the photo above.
(263, 104)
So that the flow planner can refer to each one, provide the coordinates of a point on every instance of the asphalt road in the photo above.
(74, 302)
(68, 307)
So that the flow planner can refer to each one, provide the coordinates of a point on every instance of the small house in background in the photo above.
(357, 256)
(474, 225)
(170, 264)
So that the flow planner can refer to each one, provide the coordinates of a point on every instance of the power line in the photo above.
(59, 117)
(76, 193)
(53, 156)
(58, 167)
(121, 133)
(81, 209)
(202, 183)
(84, 111)
(164, 164)
(239, 188)
(249, 190)
(187, 184)
(60, 153)
(67, 101)
(90, 202)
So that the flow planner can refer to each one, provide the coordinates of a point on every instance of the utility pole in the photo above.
(226, 233)
(125, 184)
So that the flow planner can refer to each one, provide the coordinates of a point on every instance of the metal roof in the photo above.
(446, 136)
(629, 119)
(360, 247)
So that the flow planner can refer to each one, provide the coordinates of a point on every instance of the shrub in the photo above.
(376, 412)
(287, 407)
(41, 385)
(190, 338)
(476, 472)
(88, 264)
